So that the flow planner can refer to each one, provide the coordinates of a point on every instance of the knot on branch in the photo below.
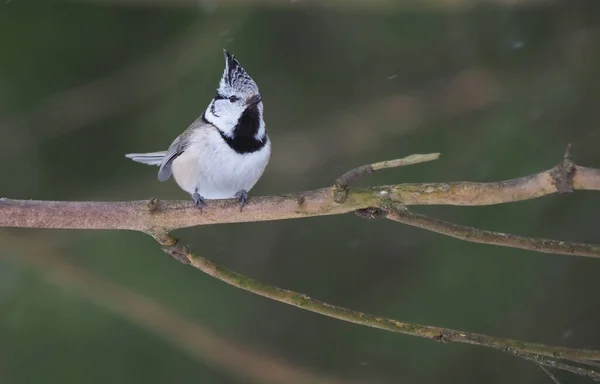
(440, 338)
(562, 175)
(172, 246)
(340, 192)
(178, 251)
(153, 204)
(340, 188)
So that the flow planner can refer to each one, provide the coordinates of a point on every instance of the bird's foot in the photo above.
(242, 196)
(198, 200)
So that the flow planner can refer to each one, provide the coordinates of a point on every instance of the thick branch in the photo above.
(145, 215)
(174, 246)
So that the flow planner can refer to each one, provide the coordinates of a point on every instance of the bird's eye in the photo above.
(233, 99)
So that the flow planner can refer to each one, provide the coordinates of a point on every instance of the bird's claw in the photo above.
(198, 200)
(242, 196)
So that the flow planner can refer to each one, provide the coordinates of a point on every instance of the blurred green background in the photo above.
(498, 87)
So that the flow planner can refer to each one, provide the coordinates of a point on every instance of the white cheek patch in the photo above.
(213, 111)
(224, 115)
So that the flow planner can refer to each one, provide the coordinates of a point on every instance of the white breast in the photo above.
(208, 165)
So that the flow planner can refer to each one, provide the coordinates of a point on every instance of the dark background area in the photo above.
(499, 89)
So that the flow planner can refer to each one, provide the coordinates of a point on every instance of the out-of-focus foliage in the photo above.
(498, 90)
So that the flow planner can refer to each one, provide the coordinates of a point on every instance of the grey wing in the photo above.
(176, 149)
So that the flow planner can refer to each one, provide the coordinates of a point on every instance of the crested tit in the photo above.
(225, 151)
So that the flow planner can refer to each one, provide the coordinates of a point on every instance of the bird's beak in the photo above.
(254, 100)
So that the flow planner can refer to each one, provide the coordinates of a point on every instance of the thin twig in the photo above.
(550, 375)
(475, 235)
(548, 362)
(178, 249)
(340, 193)
(570, 368)
(348, 177)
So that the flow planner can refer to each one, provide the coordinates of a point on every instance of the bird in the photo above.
(224, 152)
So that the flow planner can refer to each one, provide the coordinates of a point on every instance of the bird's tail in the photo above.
(152, 158)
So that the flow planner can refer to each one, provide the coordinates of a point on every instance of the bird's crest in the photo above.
(235, 77)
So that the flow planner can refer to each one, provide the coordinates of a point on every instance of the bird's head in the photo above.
(237, 108)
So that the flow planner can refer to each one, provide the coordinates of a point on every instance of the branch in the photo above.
(151, 215)
(180, 251)
(343, 181)
(86, 103)
(549, 363)
(475, 235)
(550, 374)
(570, 368)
